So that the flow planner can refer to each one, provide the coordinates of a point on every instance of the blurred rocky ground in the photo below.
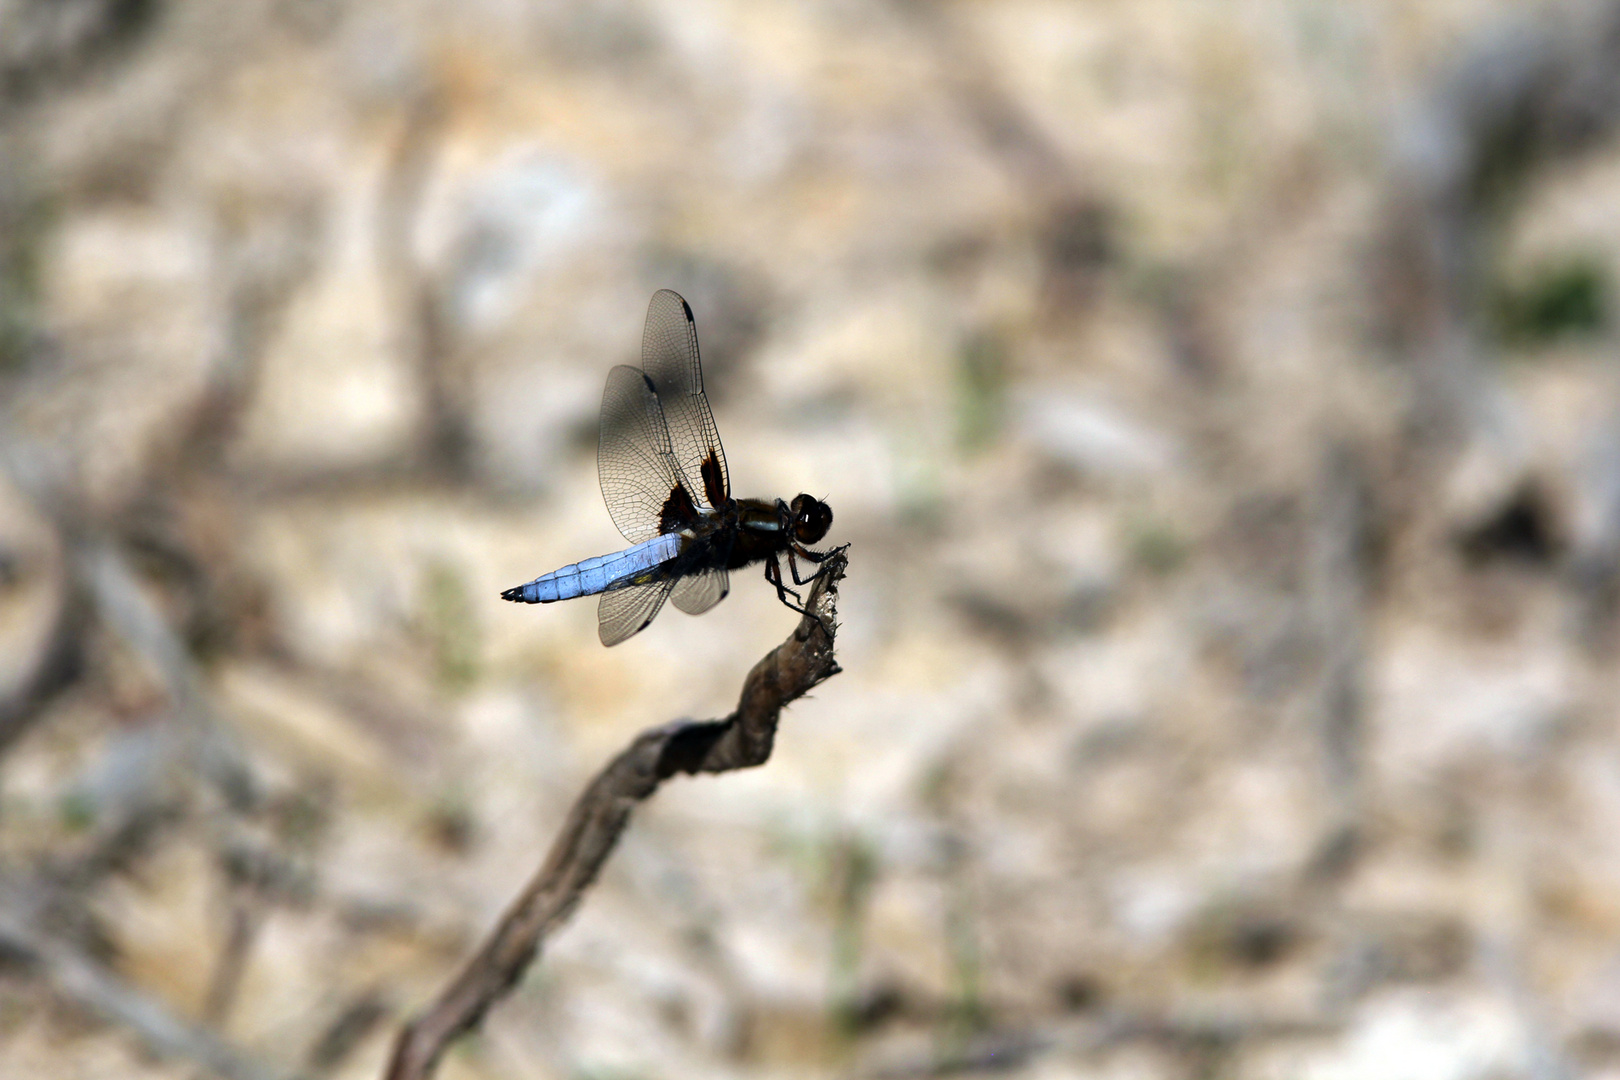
(1219, 401)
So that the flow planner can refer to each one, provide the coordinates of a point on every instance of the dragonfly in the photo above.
(663, 476)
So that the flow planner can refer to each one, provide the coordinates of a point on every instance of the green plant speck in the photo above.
(76, 811)
(981, 383)
(1155, 546)
(1555, 301)
(450, 626)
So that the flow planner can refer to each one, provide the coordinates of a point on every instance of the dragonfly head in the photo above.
(811, 519)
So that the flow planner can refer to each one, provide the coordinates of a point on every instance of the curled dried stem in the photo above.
(598, 817)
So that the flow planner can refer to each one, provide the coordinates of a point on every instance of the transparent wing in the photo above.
(623, 613)
(700, 592)
(669, 355)
(641, 480)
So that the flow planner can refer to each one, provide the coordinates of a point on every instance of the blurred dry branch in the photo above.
(262, 261)
(1337, 574)
(1199, 1037)
(58, 666)
(599, 816)
(1072, 223)
(1523, 98)
(76, 977)
(446, 437)
(209, 745)
(45, 43)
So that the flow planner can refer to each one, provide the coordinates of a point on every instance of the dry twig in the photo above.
(599, 816)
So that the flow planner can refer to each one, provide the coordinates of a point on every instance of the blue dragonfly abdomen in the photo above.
(601, 574)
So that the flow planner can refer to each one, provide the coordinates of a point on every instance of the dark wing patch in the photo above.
(714, 480)
(669, 354)
(678, 512)
(634, 460)
(700, 592)
(624, 613)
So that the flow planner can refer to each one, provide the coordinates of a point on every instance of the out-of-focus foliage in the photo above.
(1570, 298)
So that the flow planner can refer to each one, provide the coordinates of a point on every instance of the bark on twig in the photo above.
(599, 816)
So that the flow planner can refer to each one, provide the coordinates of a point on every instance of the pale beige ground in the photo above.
(1074, 808)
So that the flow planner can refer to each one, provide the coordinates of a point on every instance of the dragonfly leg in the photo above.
(808, 556)
(773, 574)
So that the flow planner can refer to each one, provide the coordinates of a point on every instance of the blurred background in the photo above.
(1219, 401)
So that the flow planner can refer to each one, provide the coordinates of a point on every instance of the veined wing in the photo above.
(699, 592)
(669, 354)
(641, 479)
(625, 612)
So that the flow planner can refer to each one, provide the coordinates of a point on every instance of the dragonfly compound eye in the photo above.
(813, 520)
